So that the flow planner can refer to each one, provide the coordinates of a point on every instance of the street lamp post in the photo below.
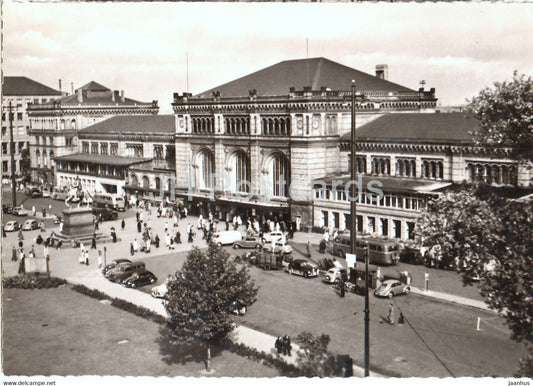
(353, 233)
(12, 151)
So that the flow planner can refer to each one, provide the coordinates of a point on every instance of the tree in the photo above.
(489, 238)
(313, 357)
(202, 296)
(25, 164)
(505, 113)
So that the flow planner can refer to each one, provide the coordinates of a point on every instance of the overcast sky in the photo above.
(141, 47)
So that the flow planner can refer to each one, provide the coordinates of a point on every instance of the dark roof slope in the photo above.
(434, 127)
(93, 86)
(314, 72)
(101, 159)
(144, 124)
(21, 85)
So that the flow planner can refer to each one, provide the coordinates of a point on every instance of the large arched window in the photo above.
(133, 180)
(239, 172)
(157, 183)
(146, 182)
(279, 172)
(206, 167)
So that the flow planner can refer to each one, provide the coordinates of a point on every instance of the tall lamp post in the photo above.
(353, 233)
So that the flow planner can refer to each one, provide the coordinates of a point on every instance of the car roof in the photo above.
(390, 281)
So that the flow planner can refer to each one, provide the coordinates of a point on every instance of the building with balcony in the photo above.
(54, 125)
(255, 145)
(20, 91)
(410, 158)
(129, 153)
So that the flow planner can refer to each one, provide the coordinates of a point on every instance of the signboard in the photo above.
(351, 259)
(36, 265)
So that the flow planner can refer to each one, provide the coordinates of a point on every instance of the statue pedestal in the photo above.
(78, 226)
(78, 222)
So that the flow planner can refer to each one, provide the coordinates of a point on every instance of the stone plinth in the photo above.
(78, 222)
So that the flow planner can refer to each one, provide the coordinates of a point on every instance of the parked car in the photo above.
(276, 236)
(283, 249)
(392, 287)
(59, 194)
(303, 268)
(36, 193)
(226, 237)
(113, 264)
(139, 279)
(160, 291)
(46, 193)
(335, 275)
(124, 270)
(30, 225)
(12, 226)
(20, 211)
(248, 242)
(105, 214)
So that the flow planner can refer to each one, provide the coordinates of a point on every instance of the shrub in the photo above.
(32, 282)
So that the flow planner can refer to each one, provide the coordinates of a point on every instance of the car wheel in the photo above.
(407, 290)
(390, 295)
(236, 246)
(266, 267)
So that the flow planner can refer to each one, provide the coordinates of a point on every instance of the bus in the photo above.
(381, 250)
(109, 200)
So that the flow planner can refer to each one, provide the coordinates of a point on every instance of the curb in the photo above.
(452, 299)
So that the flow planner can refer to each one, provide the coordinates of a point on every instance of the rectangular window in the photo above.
(103, 148)
(113, 148)
(159, 152)
(4, 166)
(19, 116)
(4, 148)
(4, 131)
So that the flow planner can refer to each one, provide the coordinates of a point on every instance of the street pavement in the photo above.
(64, 263)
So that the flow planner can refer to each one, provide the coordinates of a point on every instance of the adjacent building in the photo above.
(54, 125)
(19, 92)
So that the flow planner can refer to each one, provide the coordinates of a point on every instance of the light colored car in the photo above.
(390, 288)
(226, 237)
(12, 226)
(276, 236)
(335, 275)
(279, 247)
(20, 211)
(160, 291)
(30, 225)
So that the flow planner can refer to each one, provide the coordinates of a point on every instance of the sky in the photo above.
(142, 48)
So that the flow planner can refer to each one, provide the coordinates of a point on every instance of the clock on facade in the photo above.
(300, 123)
(315, 123)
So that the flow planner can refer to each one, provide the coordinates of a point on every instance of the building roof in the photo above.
(409, 127)
(314, 72)
(94, 93)
(101, 159)
(141, 124)
(21, 85)
(388, 184)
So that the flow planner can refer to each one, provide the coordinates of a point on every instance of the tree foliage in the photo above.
(488, 238)
(505, 113)
(313, 357)
(201, 296)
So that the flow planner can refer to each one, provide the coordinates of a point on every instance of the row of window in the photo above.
(17, 130)
(52, 124)
(369, 224)
(19, 146)
(405, 167)
(387, 200)
(106, 171)
(46, 158)
(7, 170)
(19, 116)
(491, 173)
(103, 148)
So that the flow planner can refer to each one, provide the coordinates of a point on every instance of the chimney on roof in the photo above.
(80, 95)
(114, 95)
(72, 87)
(382, 71)
(59, 85)
(122, 96)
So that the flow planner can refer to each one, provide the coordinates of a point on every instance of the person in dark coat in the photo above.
(123, 224)
(278, 345)
(348, 367)
(139, 226)
(288, 343)
(132, 250)
(113, 234)
(157, 240)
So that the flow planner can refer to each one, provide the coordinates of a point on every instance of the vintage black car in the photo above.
(139, 279)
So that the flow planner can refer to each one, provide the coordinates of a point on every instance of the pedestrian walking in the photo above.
(132, 249)
(123, 224)
(308, 249)
(348, 367)
(93, 243)
(31, 255)
(61, 227)
(157, 241)
(113, 235)
(86, 257)
(390, 315)
(135, 245)
(148, 241)
(100, 260)
(166, 226)
(139, 226)
(22, 268)
(20, 235)
(14, 253)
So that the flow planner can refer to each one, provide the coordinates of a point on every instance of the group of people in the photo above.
(283, 345)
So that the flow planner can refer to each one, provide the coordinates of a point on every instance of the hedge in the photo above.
(32, 282)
